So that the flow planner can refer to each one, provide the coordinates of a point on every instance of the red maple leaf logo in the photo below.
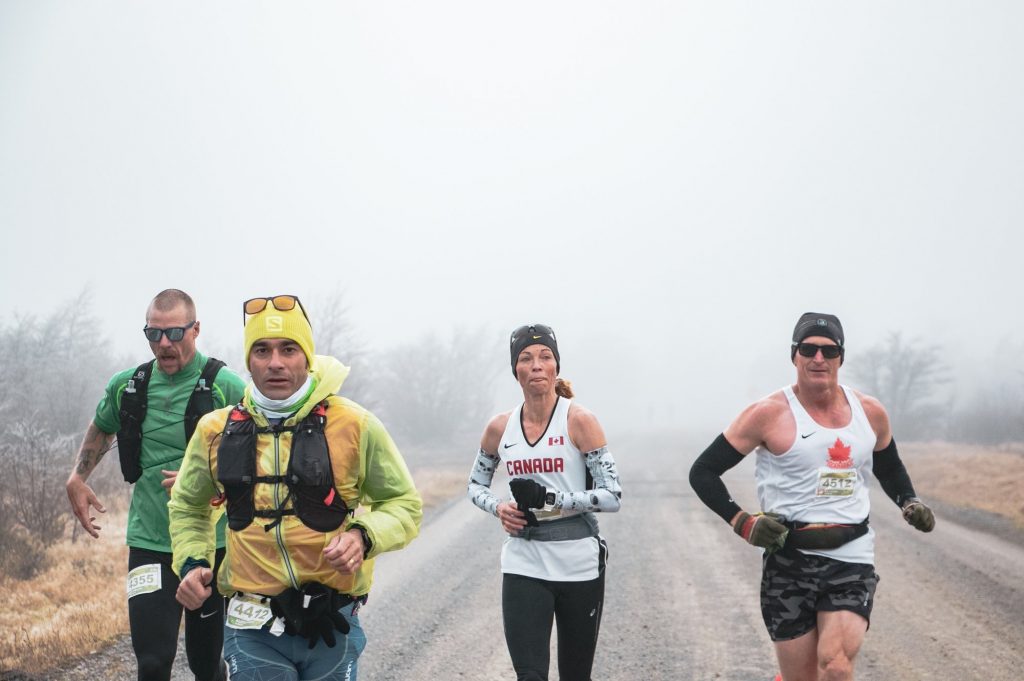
(839, 455)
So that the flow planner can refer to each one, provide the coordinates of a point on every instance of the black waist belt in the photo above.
(823, 535)
(562, 529)
(343, 601)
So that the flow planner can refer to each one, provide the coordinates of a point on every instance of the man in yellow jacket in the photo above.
(290, 465)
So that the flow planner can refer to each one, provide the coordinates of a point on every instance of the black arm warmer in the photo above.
(706, 477)
(892, 474)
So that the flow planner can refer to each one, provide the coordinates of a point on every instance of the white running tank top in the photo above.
(823, 477)
(555, 462)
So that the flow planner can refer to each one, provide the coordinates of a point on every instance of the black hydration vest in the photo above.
(133, 413)
(309, 478)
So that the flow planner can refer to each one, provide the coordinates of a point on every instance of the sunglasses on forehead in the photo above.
(281, 303)
(533, 330)
(173, 333)
(827, 351)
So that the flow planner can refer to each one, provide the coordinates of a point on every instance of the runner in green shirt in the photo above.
(170, 387)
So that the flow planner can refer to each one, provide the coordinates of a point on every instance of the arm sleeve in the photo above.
(192, 527)
(479, 487)
(396, 508)
(892, 474)
(606, 493)
(706, 477)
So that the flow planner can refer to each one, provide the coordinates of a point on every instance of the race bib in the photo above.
(836, 483)
(144, 579)
(248, 612)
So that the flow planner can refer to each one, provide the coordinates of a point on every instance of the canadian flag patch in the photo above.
(552, 441)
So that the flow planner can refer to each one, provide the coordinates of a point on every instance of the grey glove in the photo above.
(764, 530)
(919, 515)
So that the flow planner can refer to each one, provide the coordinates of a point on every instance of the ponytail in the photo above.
(563, 388)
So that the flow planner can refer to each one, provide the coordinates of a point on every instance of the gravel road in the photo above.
(682, 594)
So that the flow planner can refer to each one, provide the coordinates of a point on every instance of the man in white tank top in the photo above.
(816, 442)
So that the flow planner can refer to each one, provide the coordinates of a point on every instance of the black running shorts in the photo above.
(796, 586)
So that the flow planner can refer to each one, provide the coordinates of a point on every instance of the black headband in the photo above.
(533, 334)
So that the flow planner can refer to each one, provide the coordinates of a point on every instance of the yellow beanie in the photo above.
(273, 323)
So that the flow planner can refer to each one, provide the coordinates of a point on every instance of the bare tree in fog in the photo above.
(34, 457)
(908, 378)
(994, 415)
(53, 374)
(435, 391)
(336, 335)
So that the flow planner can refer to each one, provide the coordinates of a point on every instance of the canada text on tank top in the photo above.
(824, 476)
(553, 460)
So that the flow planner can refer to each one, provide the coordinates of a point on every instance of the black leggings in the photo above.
(155, 617)
(528, 605)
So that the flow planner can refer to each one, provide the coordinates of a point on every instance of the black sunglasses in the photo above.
(174, 333)
(533, 330)
(827, 351)
(281, 303)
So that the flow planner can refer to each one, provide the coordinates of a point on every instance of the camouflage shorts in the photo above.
(796, 586)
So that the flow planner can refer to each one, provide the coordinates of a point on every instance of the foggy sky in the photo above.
(669, 185)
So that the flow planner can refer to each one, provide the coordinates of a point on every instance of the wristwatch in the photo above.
(367, 544)
(549, 501)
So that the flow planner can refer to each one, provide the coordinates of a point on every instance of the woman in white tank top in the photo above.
(556, 456)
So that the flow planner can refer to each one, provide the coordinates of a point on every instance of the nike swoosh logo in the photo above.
(511, 445)
(204, 615)
(804, 437)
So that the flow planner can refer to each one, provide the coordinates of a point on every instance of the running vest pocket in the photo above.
(236, 469)
(311, 476)
(131, 414)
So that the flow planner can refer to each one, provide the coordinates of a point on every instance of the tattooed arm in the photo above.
(94, 445)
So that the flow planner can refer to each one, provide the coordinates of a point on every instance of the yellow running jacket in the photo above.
(369, 472)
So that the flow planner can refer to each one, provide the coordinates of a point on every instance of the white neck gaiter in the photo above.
(282, 409)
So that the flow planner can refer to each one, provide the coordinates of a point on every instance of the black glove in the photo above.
(531, 519)
(528, 493)
(917, 514)
(762, 530)
(317, 617)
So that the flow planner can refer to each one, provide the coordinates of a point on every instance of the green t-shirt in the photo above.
(163, 442)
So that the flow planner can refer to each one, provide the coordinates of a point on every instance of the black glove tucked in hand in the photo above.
(917, 514)
(528, 493)
(311, 612)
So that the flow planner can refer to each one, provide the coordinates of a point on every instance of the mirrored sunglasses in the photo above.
(173, 333)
